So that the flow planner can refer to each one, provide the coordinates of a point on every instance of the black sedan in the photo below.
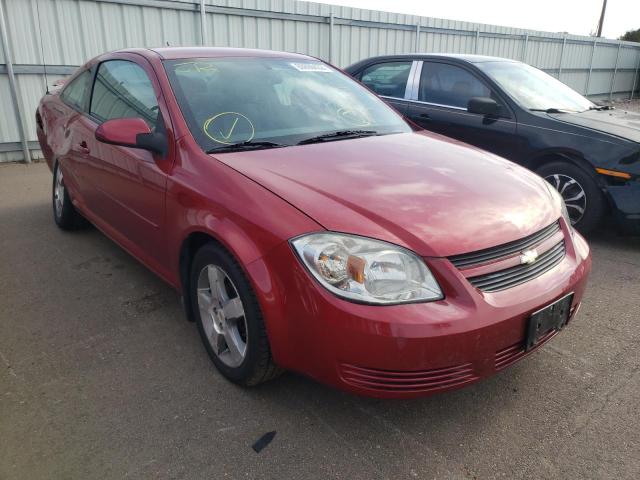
(590, 153)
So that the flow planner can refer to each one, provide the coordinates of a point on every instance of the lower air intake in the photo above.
(407, 381)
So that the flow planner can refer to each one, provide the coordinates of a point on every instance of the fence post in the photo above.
(203, 24)
(593, 53)
(635, 77)
(331, 38)
(417, 38)
(477, 44)
(12, 86)
(615, 70)
(564, 44)
(524, 48)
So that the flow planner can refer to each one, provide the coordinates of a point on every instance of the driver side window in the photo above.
(122, 89)
(450, 85)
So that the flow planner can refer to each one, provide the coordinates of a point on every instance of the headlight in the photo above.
(366, 270)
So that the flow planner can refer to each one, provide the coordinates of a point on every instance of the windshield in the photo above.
(277, 101)
(534, 89)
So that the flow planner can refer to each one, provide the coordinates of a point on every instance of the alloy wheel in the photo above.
(572, 193)
(222, 315)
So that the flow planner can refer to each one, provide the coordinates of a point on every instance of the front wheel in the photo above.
(584, 200)
(229, 318)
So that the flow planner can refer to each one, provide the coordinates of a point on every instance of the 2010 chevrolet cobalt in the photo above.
(306, 224)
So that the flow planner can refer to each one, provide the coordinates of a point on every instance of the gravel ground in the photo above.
(101, 377)
(631, 105)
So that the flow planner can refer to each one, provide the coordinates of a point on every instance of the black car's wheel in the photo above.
(584, 200)
(64, 213)
(229, 317)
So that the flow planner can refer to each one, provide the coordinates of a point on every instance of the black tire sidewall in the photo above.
(595, 200)
(66, 219)
(212, 254)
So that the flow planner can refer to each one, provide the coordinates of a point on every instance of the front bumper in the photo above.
(405, 350)
(626, 202)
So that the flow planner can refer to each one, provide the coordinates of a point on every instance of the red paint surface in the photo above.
(435, 196)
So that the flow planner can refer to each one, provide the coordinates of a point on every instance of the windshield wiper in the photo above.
(339, 135)
(551, 110)
(244, 146)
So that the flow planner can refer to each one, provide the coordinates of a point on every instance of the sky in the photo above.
(579, 17)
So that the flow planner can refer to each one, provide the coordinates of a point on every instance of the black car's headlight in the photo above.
(366, 270)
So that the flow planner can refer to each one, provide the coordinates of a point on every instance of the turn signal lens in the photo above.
(613, 173)
(366, 270)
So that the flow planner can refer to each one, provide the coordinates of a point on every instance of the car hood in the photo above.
(433, 195)
(621, 123)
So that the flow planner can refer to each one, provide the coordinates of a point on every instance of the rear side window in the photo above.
(449, 85)
(122, 89)
(74, 94)
(388, 79)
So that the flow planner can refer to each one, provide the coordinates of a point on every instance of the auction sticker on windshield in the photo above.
(311, 67)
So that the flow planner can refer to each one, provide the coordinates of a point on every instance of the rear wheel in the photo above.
(229, 318)
(64, 213)
(584, 200)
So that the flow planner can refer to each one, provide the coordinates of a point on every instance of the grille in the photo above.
(512, 354)
(408, 381)
(467, 260)
(510, 277)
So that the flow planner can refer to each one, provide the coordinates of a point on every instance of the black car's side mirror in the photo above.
(483, 106)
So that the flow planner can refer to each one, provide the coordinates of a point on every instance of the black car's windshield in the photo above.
(534, 89)
(255, 102)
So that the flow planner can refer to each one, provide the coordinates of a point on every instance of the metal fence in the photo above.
(71, 31)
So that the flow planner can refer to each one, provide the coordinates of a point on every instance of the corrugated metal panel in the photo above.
(8, 127)
(75, 30)
(600, 82)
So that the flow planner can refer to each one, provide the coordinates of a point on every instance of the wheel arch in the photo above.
(577, 160)
(243, 250)
(570, 156)
(193, 241)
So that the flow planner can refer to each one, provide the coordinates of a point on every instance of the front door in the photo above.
(440, 105)
(130, 183)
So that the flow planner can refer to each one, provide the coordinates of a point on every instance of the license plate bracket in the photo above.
(551, 317)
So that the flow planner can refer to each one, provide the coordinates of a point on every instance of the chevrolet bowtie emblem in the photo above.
(528, 257)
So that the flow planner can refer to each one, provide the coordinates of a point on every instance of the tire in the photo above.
(64, 213)
(572, 182)
(226, 325)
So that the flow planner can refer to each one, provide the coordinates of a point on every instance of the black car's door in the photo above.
(389, 79)
(438, 102)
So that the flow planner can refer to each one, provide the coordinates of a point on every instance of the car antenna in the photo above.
(168, 44)
(44, 63)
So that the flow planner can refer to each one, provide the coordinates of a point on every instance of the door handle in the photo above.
(421, 117)
(83, 147)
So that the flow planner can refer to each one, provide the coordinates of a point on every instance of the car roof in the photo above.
(175, 53)
(465, 57)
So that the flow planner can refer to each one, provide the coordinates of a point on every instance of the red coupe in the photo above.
(306, 224)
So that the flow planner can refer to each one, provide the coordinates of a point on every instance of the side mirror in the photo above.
(131, 132)
(483, 106)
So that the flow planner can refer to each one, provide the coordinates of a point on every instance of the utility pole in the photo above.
(601, 22)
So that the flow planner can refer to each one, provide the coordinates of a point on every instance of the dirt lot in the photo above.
(631, 105)
(101, 377)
